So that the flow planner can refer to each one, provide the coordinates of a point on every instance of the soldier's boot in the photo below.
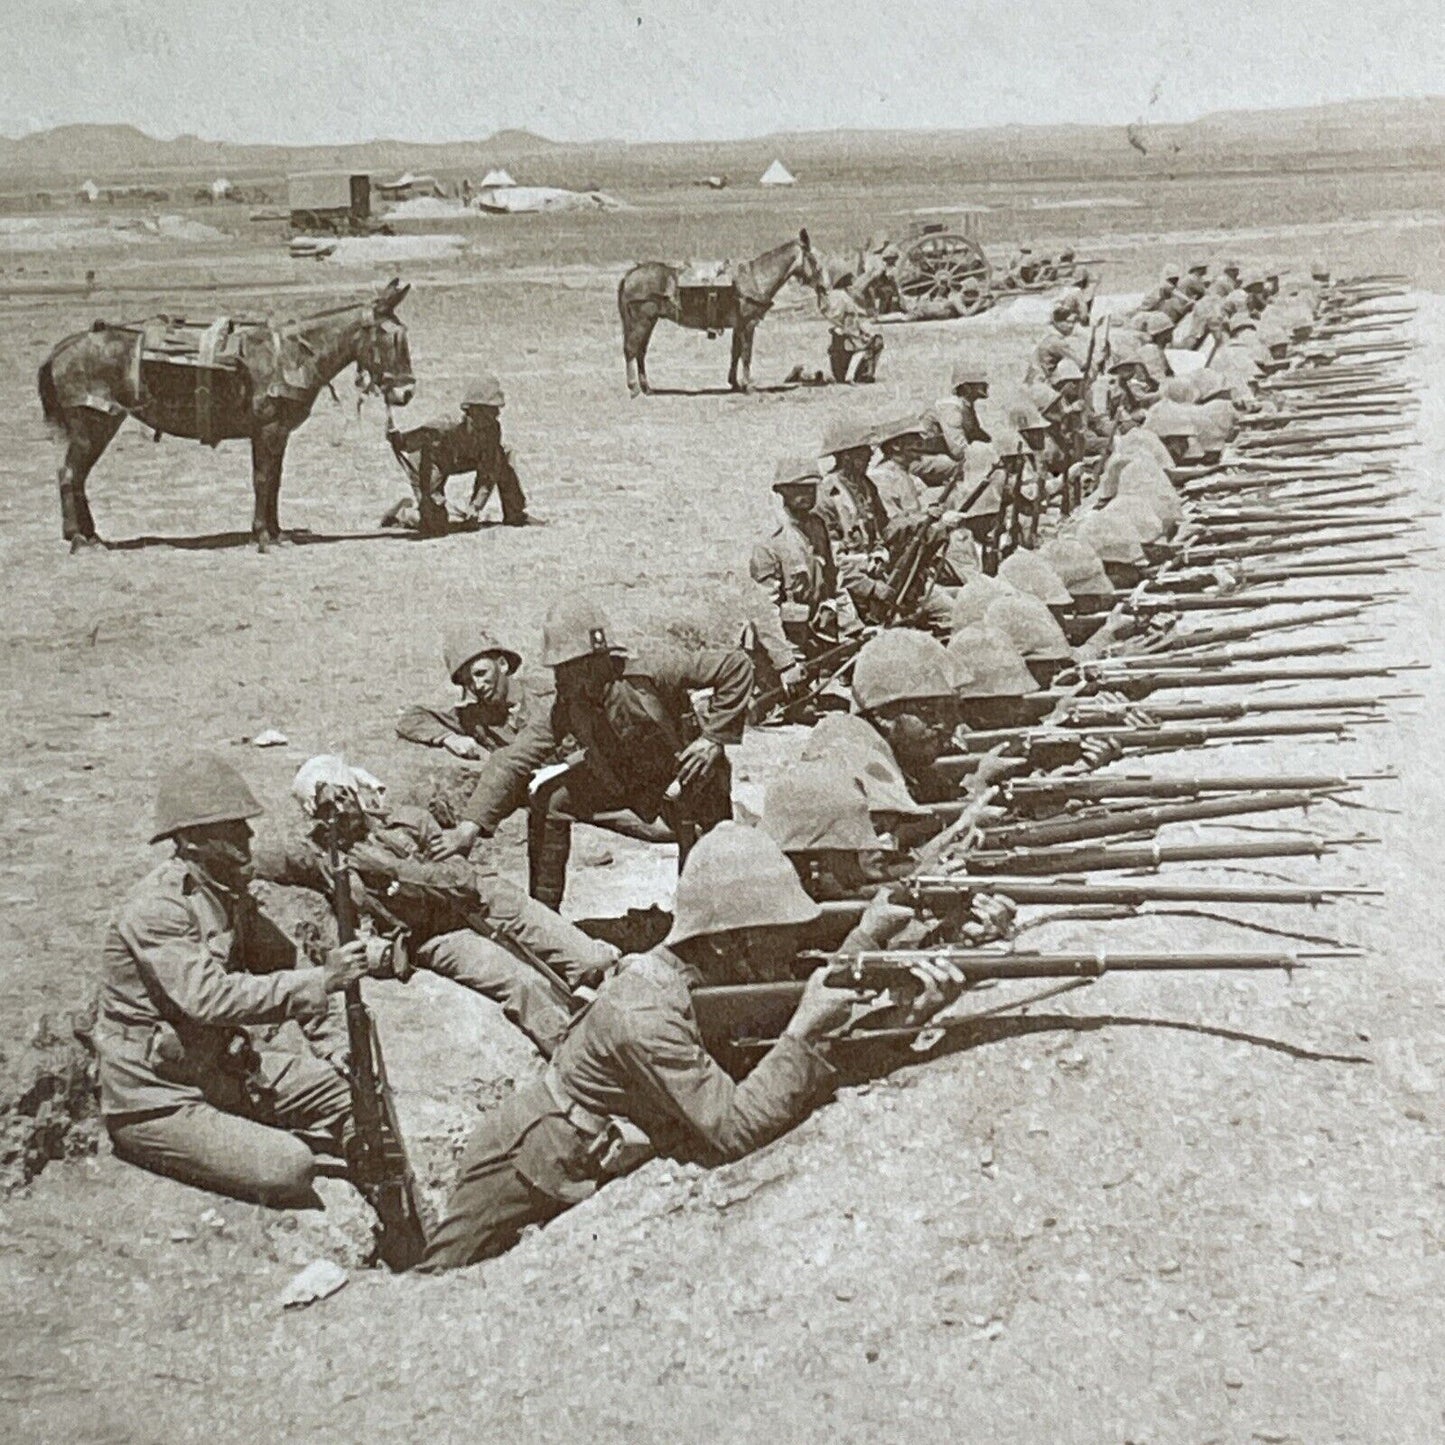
(549, 845)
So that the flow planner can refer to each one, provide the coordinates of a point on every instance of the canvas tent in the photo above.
(493, 179)
(777, 174)
(220, 188)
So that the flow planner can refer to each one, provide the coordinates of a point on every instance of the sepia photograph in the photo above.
(720, 723)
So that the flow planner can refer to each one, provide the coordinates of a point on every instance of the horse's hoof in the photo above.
(89, 543)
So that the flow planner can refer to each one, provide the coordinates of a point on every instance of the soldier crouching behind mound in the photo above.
(192, 968)
(633, 1078)
(432, 453)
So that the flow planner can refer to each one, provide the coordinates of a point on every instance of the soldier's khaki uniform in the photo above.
(491, 725)
(461, 922)
(802, 610)
(473, 443)
(635, 1054)
(194, 1082)
(630, 740)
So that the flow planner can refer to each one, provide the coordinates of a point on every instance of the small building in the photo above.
(777, 174)
(494, 180)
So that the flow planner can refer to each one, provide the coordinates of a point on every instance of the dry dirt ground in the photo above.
(1156, 1211)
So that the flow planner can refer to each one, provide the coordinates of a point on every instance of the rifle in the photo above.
(1089, 713)
(379, 1164)
(1134, 785)
(750, 1017)
(1249, 598)
(1101, 857)
(949, 892)
(1078, 827)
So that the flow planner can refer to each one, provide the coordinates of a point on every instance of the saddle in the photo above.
(707, 297)
(189, 378)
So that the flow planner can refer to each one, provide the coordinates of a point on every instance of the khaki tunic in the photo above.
(185, 966)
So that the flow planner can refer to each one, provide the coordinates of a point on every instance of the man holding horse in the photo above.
(447, 449)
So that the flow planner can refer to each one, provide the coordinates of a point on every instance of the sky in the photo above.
(330, 71)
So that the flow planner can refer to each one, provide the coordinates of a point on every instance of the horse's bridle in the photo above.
(372, 379)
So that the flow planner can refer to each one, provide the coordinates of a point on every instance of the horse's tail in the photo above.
(49, 394)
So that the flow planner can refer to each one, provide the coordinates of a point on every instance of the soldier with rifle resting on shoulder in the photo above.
(193, 976)
(801, 610)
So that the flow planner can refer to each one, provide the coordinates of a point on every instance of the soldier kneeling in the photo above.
(446, 449)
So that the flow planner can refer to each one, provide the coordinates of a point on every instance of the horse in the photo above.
(651, 292)
(94, 379)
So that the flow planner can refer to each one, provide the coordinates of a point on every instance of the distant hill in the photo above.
(123, 151)
(1404, 131)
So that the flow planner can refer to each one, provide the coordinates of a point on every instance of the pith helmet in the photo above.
(976, 596)
(815, 807)
(575, 627)
(1078, 566)
(463, 645)
(1111, 537)
(1027, 572)
(1169, 419)
(995, 664)
(797, 472)
(1155, 324)
(902, 426)
(1067, 370)
(847, 742)
(967, 373)
(1024, 416)
(902, 665)
(844, 436)
(484, 390)
(204, 789)
(1008, 443)
(1030, 626)
(1136, 512)
(737, 877)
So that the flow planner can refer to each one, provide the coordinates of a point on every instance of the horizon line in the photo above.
(523, 130)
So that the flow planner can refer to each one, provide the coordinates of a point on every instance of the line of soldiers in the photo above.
(919, 554)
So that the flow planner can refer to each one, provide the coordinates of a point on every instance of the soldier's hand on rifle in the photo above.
(461, 746)
(991, 918)
(883, 920)
(1098, 751)
(697, 759)
(351, 962)
(823, 1009)
(1136, 717)
(940, 982)
(793, 678)
(452, 842)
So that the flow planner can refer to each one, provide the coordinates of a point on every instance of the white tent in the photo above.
(777, 174)
(220, 188)
(90, 191)
(497, 178)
